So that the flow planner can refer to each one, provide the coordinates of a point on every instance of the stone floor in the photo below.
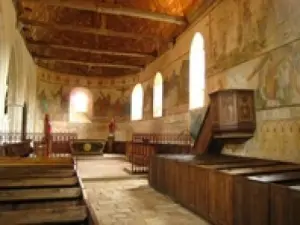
(101, 167)
(129, 201)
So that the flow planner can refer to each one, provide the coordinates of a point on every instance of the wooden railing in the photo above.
(145, 145)
(60, 141)
(205, 135)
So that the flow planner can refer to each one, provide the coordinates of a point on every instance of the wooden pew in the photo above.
(42, 216)
(208, 185)
(194, 182)
(66, 162)
(284, 203)
(185, 178)
(224, 191)
(19, 149)
(200, 178)
(266, 197)
(47, 189)
(37, 182)
(39, 194)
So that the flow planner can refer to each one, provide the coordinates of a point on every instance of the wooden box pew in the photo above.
(185, 177)
(190, 183)
(270, 199)
(163, 170)
(197, 191)
(284, 203)
(163, 167)
(222, 189)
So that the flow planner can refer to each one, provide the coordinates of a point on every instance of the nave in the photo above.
(122, 199)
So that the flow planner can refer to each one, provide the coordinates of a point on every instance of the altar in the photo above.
(88, 146)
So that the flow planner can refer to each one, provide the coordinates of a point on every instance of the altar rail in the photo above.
(145, 145)
(60, 141)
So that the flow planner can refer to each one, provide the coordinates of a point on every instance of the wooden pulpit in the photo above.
(233, 114)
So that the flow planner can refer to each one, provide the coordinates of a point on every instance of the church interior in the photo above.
(149, 112)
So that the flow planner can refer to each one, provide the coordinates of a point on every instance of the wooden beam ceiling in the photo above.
(119, 11)
(199, 9)
(89, 64)
(97, 31)
(31, 45)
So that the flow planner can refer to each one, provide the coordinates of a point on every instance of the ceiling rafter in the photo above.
(80, 29)
(32, 44)
(89, 64)
(120, 11)
(77, 73)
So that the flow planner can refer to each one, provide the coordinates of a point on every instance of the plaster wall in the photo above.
(248, 44)
(18, 68)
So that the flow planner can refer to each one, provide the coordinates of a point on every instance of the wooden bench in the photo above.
(47, 189)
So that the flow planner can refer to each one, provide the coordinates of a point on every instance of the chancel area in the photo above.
(149, 112)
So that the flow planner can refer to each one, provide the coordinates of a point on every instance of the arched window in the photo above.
(197, 72)
(158, 95)
(81, 103)
(137, 98)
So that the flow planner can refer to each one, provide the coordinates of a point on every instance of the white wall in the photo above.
(22, 72)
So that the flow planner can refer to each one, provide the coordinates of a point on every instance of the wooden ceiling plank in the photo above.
(78, 73)
(98, 31)
(100, 52)
(119, 11)
(89, 64)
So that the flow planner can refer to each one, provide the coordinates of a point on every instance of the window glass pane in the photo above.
(157, 95)
(197, 73)
(80, 109)
(137, 102)
(80, 102)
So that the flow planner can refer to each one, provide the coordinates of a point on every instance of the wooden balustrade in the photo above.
(145, 145)
(13, 141)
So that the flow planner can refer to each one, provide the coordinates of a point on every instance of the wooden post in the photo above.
(24, 123)
(47, 135)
